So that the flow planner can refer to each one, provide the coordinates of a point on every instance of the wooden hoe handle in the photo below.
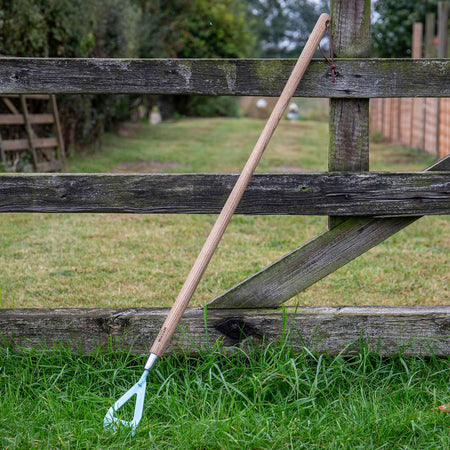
(224, 218)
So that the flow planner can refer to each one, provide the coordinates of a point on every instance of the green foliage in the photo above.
(22, 26)
(69, 28)
(201, 106)
(45, 28)
(123, 29)
(217, 29)
(194, 29)
(392, 30)
(282, 27)
(114, 28)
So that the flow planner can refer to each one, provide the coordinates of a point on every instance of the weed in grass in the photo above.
(263, 397)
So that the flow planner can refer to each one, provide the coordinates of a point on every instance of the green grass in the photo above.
(112, 260)
(261, 398)
(208, 145)
(267, 397)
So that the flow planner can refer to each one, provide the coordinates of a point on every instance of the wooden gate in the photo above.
(365, 208)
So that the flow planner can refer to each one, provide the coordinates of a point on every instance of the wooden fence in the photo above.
(422, 123)
(364, 208)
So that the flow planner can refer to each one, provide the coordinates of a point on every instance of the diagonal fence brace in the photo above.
(321, 256)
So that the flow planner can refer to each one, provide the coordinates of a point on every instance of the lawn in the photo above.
(112, 260)
(267, 398)
(257, 397)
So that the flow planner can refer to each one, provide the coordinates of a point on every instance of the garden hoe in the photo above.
(200, 265)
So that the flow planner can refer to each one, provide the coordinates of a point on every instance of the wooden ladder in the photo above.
(46, 153)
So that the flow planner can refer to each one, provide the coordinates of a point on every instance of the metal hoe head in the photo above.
(138, 389)
(112, 422)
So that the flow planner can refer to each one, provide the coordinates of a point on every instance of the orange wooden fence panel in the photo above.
(423, 123)
(431, 126)
(417, 123)
(444, 127)
(405, 120)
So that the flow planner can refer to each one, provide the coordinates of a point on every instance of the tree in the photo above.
(194, 29)
(44, 28)
(283, 26)
(392, 28)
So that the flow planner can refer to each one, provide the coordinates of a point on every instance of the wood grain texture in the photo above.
(423, 330)
(349, 119)
(314, 260)
(350, 28)
(430, 48)
(255, 77)
(367, 194)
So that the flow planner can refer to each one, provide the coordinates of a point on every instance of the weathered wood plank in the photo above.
(430, 49)
(18, 119)
(348, 148)
(256, 77)
(423, 330)
(349, 118)
(442, 28)
(23, 144)
(45, 142)
(32, 96)
(13, 145)
(300, 269)
(367, 194)
(11, 119)
(314, 260)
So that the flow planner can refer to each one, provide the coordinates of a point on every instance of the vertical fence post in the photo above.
(349, 119)
(429, 138)
(417, 35)
(417, 131)
(443, 14)
(430, 27)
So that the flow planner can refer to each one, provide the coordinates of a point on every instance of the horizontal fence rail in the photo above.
(414, 330)
(364, 194)
(254, 77)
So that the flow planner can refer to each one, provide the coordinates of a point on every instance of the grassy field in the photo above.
(256, 398)
(107, 260)
(268, 398)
